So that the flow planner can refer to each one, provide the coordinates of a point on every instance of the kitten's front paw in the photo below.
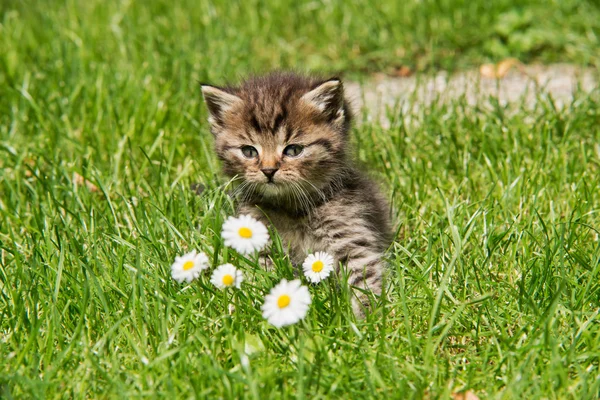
(266, 262)
(361, 304)
(366, 289)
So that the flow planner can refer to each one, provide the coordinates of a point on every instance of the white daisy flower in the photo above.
(286, 304)
(245, 234)
(227, 275)
(188, 266)
(318, 266)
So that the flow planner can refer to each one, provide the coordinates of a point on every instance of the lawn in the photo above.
(494, 274)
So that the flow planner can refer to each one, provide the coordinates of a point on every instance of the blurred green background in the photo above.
(188, 40)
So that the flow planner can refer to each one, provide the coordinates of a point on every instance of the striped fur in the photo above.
(318, 200)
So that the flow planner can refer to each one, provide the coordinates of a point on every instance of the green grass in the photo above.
(495, 274)
(189, 40)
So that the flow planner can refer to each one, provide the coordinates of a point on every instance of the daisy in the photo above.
(188, 266)
(317, 266)
(286, 304)
(227, 275)
(245, 234)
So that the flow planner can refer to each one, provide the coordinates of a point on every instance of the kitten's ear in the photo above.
(218, 103)
(328, 98)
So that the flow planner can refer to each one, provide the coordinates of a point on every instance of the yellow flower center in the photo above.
(227, 280)
(188, 265)
(283, 301)
(246, 233)
(317, 266)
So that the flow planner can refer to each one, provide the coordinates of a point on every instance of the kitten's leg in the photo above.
(364, 266)
(265, 261)
(365, 274)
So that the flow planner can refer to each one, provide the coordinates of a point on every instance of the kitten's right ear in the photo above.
(218, 102)
(328, 99)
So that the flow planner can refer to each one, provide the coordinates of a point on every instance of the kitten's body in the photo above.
(297, 175)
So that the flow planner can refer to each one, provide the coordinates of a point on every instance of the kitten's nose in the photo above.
(269, 172)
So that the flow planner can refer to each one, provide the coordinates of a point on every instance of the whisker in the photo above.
(318, 191)
(305, 199)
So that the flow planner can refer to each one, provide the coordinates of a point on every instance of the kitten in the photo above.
(285, 136)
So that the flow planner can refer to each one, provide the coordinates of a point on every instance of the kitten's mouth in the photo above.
(271, 187)
(272, 182)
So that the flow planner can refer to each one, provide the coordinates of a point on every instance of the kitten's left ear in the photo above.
(327, 98)
(218, 102)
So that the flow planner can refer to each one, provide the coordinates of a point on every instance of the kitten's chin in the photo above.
(275, 192)
(272, 189)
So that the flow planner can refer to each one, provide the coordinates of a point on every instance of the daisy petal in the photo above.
(188, 267)
(286, 304)
(245, 234)
(318, 266)
(227, 275)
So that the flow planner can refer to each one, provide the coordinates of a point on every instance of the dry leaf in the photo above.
(401, 72)
(79, 180)
(468, 395)
(498, 71)
(505, 65)
(488, 71)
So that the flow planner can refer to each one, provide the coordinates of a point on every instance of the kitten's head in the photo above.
(281, 134)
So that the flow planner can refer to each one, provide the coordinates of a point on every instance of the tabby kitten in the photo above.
(285, 136)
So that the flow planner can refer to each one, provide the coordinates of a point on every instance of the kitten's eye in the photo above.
(249, 152)
(293, 150)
